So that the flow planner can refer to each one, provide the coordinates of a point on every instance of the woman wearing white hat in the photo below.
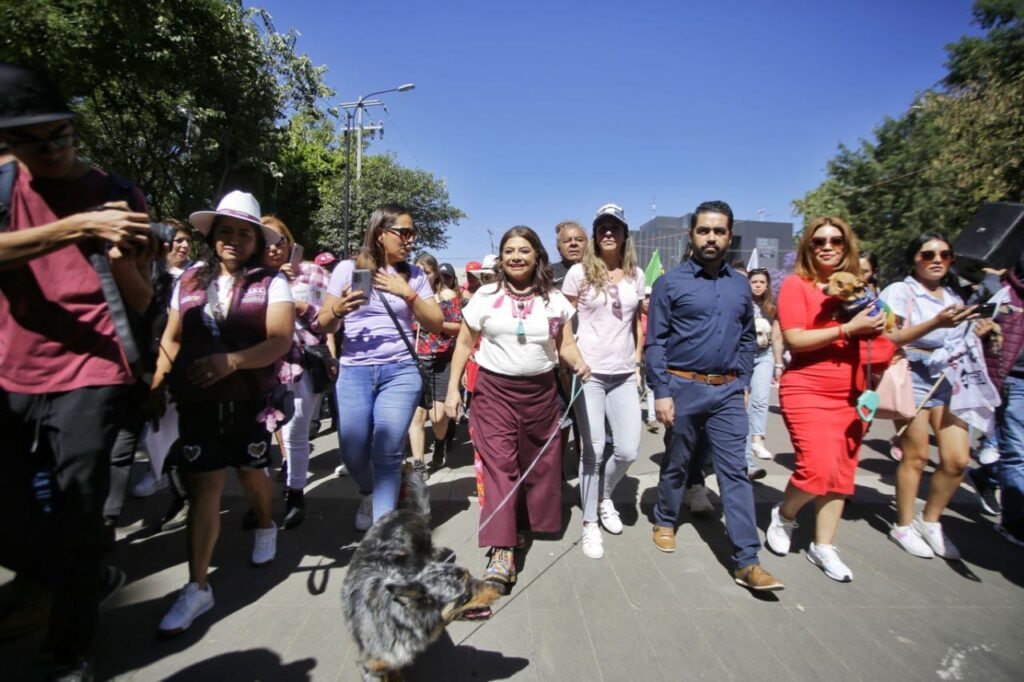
(230, 320)
(607, 288)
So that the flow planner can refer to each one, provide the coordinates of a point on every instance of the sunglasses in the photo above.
(404, 233)
(820, 242)
(35, 145)
(928, 256)
(613, 291)
(757, 271)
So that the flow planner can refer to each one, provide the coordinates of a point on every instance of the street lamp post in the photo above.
(359, 105)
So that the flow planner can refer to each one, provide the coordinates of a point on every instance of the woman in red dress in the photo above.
(819, 389)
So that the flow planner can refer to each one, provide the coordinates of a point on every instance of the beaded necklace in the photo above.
(522, 306)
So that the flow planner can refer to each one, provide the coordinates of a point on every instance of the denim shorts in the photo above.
(923, 381)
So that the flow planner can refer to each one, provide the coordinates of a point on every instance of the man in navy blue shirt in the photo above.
(699, 355)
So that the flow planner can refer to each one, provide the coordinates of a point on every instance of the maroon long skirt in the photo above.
(511, 419)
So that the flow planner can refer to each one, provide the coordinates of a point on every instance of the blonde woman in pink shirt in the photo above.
(607, 289)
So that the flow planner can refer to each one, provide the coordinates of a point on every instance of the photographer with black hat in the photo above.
(67, 275)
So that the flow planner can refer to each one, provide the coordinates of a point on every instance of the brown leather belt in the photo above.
(712, 379)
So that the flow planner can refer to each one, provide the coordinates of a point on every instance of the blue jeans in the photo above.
(1011, 455)
(717, 411)
(375, 405)
(760, 393)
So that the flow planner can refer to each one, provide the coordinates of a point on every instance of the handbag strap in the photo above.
(401, 332)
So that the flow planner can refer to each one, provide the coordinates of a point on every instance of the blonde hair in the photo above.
(595, 272)
(275, 223)
(850, 261)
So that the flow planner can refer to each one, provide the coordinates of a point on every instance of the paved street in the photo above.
(636, 614)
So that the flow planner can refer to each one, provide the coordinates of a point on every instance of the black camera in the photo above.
(162, 231)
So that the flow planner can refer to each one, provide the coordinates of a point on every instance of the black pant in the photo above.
(54, 475)
(122, 455)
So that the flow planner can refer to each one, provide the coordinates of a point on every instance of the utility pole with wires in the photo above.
(490, 233)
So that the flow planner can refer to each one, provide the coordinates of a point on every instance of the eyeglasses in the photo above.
(928, 256)
(705, 231)
(35, 145)
(403, 233)
(820, 242)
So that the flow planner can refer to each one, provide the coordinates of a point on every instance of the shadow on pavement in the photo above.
(253, 664)
(445, 660)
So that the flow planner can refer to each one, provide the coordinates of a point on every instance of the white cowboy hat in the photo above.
(235, 204)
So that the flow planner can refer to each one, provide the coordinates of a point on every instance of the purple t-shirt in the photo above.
(369, 336)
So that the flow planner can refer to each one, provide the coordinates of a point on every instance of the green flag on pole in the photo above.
(654, 269)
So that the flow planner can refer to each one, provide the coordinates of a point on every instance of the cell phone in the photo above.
(985, 310)
(296, 257)
(361, 281)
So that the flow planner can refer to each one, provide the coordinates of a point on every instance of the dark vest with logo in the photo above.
(244, 326)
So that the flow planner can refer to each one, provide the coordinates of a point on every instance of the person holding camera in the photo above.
(373, 299)
(231, 320)
(74, 246)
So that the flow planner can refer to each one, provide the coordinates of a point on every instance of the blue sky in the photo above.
(536, 112)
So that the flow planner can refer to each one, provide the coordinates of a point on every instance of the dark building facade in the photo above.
(670, 236)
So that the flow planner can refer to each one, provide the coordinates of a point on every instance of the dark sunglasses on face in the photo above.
(35, 145)
(705, 231)
(402, 232)
(820, 242)
(928, 256)
(757, 271)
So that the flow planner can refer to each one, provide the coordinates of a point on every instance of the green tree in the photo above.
(385, 181)
(958, 145)
(183, 96)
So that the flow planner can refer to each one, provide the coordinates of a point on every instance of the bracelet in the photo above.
(335, 315)
(780, 366)
(409, 300)
(842, 333)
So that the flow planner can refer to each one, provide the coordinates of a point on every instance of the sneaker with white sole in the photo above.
(341, 471)
(264, 546)
(593, 543)
(364, 517)
(910, 540)
(826, 557)
(148, 485)
(779, 535)
(760, 451)
(697, 500)
(191, 603)
(940, 543)
(609, 517)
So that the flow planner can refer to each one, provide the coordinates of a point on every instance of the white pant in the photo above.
(296, 432)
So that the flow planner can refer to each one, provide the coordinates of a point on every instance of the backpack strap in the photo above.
(8, 174)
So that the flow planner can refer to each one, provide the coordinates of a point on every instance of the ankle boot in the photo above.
(295, 507)
(438, 457)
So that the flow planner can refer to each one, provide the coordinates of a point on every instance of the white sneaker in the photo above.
(264, 546)
(779, 535)
(909, 539)
(697, 500)
(191, 603)
(609, 517)
(760, 451)
(593, 543)
(149, 485)
(340, 471)
(936, 539)
(364, 517)
(826, 557)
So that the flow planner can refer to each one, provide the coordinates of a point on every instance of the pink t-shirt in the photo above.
(56, 333)
(607, 320)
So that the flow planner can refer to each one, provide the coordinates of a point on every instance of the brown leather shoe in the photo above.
(756, 578)
(665, 538)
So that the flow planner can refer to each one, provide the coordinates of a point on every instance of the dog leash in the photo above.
(574, 393)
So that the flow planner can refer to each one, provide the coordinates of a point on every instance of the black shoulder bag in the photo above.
(428, 390)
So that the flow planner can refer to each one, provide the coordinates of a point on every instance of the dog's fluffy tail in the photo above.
(416, 497)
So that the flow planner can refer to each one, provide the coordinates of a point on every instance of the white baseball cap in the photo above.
(613, 210)
(490, 262)
(235, 204)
